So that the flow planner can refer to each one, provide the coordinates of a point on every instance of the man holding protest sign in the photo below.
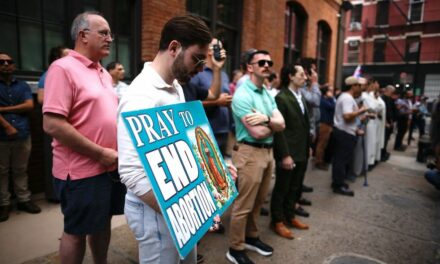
(256, 117)
(182, 51)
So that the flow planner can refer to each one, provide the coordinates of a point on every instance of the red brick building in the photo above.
(256, 24)
(287, 29)
(397, 42)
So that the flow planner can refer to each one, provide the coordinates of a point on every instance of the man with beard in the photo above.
(344, 134)
(182, 51)
(256, 117)
(15, 140)
(80, 114)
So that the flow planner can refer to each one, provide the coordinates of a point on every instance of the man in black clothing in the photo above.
(388, 97)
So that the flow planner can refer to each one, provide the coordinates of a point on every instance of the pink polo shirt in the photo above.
(81, 90)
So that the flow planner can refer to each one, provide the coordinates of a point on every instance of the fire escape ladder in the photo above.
(387, 38)
(408, 21)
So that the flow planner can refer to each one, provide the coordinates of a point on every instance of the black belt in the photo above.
(258, 145)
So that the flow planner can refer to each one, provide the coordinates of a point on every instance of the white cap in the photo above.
(351, 80)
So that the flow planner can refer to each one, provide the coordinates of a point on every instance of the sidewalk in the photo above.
(395, 219)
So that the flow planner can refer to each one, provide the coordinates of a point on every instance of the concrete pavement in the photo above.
(396, 219)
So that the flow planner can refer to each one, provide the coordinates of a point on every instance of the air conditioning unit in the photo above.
(353, 43)
(355, 26)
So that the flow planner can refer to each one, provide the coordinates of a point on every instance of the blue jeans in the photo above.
(150, 230)
(433, 177)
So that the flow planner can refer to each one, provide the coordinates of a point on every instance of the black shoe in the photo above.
(4, 213)
(255, 244)
(200, 259)
(334, 186)
(344, 191)
(238, 257)
(305, 202)
(306, 188)
(385, 157)
(29, 207)
(402, 148)
(264, 211)
(301, 212)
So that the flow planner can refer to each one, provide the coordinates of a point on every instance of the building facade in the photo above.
(396, 42)
(289, 30)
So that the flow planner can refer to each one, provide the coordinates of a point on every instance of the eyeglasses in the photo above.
(262, 63)
(9, 62)
(198, 61)
(102, 33)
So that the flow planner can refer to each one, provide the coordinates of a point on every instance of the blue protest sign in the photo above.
(188, 175)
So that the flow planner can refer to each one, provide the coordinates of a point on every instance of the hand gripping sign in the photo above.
(188, 175)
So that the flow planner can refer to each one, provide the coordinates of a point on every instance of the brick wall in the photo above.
(264, 22)
(263, 26)
(155, 13)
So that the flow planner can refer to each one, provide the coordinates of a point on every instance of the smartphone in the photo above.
(217, 49)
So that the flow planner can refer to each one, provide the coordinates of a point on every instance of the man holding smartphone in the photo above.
(212, 87)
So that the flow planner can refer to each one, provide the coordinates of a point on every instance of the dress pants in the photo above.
(325, 131)
(287, 191)
(254, 169)
(388, 132)
(402, 126)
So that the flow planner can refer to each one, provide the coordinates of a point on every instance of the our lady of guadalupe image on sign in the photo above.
(212, 166)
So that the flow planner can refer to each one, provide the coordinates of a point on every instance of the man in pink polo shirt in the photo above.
(80, 109)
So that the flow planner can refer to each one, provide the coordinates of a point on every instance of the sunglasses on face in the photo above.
(9, 62)
(262, 63)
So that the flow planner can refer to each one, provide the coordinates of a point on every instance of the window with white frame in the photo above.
(415, 10)
(353, 51)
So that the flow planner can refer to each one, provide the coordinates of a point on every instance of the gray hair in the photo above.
(390, 88)
(81, 22)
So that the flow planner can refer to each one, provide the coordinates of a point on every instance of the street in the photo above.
(396, 219)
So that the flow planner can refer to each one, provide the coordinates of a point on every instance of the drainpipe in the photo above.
(343, 8)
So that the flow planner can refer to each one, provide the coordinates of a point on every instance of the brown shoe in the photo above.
(282, 230)
(297, 224)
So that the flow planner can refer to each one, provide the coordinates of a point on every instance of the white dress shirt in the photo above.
(298, 97)
(147, 90)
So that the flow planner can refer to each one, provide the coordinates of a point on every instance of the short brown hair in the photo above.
(187, 29)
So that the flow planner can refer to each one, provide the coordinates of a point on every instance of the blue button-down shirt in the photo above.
(218, 116)
(16, 93)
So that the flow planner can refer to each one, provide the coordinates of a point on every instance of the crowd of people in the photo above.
(266, 123)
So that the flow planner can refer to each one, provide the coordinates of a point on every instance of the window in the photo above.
(353, 51)
(379, 50)
(295, 18)
(223, 18)
(356, 13)
(412, 50)
(415, 10)
(382, 8)
(322, 50)
(30, 28)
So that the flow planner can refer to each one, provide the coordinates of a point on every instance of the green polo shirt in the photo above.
(246, 98)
